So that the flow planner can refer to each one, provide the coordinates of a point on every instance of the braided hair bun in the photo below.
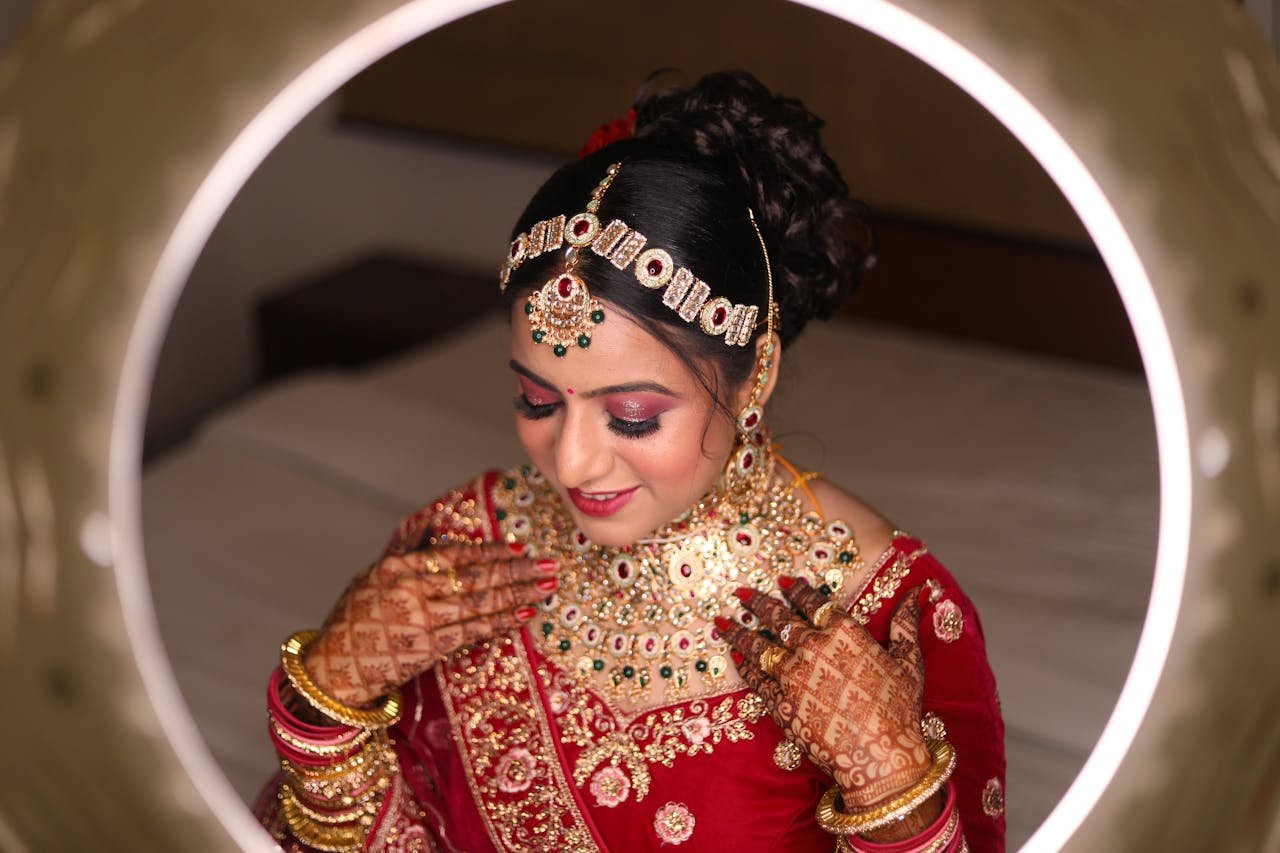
(819, 239)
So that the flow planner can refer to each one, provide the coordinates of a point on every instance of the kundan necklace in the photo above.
(627, 616)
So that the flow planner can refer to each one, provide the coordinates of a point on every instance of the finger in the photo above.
(486, 627)
(466, 553)
(810, 602)
(777, 617)
(486, 602)
(904, 636)
(450, 581)
(749, 644)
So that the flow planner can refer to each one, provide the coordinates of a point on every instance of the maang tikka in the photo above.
(563, 313)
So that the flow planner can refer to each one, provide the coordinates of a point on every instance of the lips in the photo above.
(600, 504)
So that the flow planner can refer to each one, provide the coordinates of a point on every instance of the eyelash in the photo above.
(619, 426)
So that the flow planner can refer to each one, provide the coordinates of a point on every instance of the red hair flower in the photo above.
(607, 134)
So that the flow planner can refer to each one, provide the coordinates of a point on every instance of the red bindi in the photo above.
(570, 390)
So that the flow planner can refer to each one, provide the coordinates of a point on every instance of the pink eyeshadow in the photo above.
(639, 407)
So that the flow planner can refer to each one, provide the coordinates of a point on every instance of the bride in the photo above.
(659, 632)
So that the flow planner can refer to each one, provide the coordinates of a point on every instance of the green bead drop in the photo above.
(665, 672)
(565, 645)
(559, 350)
(584, 341)
(597, 664)
(700, 666)
(628, 671)
(597, 316)
(547, 628)
(538, 335)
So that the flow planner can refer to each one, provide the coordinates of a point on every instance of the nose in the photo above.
(582, 452)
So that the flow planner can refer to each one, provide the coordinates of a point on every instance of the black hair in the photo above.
(701, 156)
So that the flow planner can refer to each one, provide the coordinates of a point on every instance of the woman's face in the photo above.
(623, 430)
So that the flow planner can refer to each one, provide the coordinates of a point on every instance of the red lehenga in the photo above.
(499, 748)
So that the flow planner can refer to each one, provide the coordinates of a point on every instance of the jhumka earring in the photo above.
(747, 464)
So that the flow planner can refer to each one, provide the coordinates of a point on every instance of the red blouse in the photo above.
(500, 750)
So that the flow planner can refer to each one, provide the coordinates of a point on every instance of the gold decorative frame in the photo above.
(127, 127)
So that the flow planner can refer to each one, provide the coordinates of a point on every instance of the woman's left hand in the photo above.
(851, 704)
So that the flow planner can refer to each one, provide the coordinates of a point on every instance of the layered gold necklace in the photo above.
(629, 617)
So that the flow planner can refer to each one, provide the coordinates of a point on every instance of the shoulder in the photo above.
(463, 513)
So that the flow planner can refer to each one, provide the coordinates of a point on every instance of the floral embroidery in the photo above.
(935, 589)
(610, 786)
(439, 735)
(412, 839)
(787, 755)
(673, 823)
(696, 729)
(932, 727)
(751, 708)
(993, 798)
(948, 621)
(559, 701)
(884, 586)
(515, 771)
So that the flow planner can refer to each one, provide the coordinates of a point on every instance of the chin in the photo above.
(610, 533)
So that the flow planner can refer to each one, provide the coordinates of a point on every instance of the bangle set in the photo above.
(386, 714)
(833, 820)
(335, 777)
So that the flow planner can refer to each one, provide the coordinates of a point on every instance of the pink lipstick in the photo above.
(601, 504)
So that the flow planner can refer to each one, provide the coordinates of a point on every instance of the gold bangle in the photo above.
(333, 839)
(865, 820)
(387, 713)
(316, 749)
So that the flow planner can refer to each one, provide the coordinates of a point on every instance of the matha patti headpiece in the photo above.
(563, 313)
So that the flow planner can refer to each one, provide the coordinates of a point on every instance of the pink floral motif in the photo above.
(439, 735)
(610, 786)
(948, 621)
(696, 729)
(673, 823)
(515, 771)
(411, 839)
(559, 702)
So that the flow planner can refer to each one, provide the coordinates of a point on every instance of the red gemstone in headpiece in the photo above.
(654, 268)
(564, 287)
(719, 316)
(748, 459)
(582, 226)
(751, 420)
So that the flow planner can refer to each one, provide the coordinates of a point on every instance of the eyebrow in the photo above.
(623, 388)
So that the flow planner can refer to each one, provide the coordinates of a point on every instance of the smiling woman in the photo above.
(90, 286)
(661, 535)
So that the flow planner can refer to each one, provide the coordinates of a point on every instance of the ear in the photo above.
(744, 393)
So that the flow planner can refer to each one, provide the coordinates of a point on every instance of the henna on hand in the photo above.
(409, 611)
(853, 705)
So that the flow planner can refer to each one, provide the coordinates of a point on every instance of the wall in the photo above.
(326, 193)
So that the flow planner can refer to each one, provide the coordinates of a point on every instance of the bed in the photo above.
(1034, 480)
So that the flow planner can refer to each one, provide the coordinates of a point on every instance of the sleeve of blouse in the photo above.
(340, 787)
(961, 703)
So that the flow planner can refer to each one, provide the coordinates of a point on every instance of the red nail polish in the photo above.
(517, 548)
(737, 658)
(786, 581)
(722, 623)
(524, 614)
(547, 566)
(744, 594)
(547, 585)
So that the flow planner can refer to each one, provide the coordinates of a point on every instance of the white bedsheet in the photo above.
(1034, 482)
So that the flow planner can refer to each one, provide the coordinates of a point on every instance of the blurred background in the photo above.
(335, 359)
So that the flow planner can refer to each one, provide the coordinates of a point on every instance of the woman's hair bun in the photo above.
(819, 239)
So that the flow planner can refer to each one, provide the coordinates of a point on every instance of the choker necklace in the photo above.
(627, 617)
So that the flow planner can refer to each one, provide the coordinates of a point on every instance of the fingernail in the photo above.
(517, 548)
(786, 581)
(547, 566)
(524, 614)
(547, 585)
(737, 658)
(744, 594)
(722, 624)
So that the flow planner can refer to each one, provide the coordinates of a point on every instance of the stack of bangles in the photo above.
(944, 835)
(335, 776)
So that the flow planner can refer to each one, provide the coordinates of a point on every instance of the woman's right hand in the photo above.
(409, 611)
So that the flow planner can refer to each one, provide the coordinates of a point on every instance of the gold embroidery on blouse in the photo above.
(507, 750)
(885, 584)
